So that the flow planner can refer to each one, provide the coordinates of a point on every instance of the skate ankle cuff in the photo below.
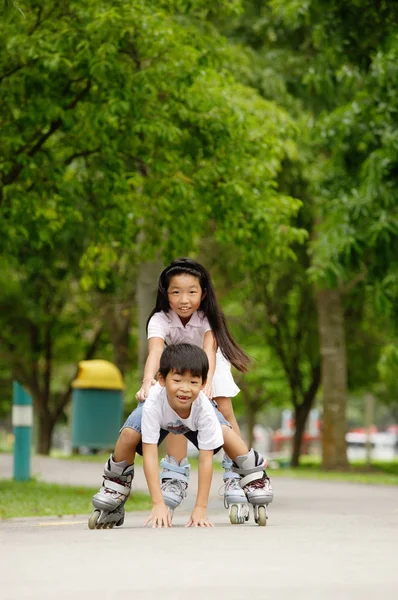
(248, 471)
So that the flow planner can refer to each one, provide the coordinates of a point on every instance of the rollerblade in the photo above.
(174, 481)
(109, 501)
(234, 496)
(255, 483)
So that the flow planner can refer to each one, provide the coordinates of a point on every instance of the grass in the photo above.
(37, 499)
(379, 473)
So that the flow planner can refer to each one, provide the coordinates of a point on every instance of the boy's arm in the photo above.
(210, 347)
(199, 514)
(160, 515)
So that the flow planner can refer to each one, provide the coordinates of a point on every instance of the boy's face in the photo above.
(182, 390)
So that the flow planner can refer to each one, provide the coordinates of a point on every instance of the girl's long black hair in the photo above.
(209, 306)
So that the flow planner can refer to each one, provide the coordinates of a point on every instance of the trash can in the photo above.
(97, 404)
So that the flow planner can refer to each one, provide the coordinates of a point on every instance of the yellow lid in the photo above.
(98, 374)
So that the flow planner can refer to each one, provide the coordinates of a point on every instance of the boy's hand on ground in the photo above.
(199, 518)
(160, 516)
(142, 394)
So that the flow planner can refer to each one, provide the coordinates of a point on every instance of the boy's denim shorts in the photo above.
(133, 421)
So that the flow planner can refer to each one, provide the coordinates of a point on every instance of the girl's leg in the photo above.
(251, 466)
(176, 446)
(227, 410)
(233, 444)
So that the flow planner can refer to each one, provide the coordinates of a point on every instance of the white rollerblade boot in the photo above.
(174, 481)
(234, 496)
(255, 483)
(109, 501)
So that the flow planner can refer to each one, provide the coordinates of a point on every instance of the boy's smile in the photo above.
(182, 390)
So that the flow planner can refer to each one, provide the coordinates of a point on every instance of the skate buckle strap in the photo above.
(116, 487)
(249, 478)
(175, 468)
(173, 476)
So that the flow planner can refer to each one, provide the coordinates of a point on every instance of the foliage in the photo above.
(124, 137)
(118, 131)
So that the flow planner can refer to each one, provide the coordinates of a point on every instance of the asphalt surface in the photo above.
(323, 541)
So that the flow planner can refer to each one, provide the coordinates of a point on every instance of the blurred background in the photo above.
(258, 137)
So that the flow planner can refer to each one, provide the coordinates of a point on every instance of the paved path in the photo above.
(323, 542)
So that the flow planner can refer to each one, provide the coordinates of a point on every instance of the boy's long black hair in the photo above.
(209, 306)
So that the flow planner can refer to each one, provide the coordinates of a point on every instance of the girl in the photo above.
(187, 311)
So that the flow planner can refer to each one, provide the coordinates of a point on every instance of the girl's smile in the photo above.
(184, 295)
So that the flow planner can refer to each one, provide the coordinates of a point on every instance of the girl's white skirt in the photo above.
(223, 382)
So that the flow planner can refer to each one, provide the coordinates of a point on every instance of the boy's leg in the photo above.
(250, 466)
(109, 501)
(175, 474)
(176, 446)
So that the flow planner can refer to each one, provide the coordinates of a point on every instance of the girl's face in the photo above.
(185, 295)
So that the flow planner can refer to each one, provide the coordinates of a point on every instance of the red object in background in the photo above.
(373, 429)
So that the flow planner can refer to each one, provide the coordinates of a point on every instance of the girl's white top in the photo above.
(169, 328)
(157, 414)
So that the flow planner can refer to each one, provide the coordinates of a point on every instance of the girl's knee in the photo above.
(225, 407)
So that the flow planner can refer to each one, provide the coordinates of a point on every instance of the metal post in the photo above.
(369, 417)
(22, 421)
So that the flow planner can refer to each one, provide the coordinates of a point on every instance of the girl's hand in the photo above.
(208, 389)
(160, 516)
(199, 518)
(142, 394)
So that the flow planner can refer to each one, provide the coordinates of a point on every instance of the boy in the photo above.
(176, 404)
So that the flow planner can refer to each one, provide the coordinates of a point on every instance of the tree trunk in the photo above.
(251, 421)
(44, 434)
(334, 378)
(119, 324)
(147, 285)
(301, 413)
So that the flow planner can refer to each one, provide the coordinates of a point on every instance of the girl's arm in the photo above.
(160, 515)
(210, 347)
(199, 514)
(155, 349)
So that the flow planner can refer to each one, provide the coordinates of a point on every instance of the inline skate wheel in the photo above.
(262, 516)
(233, 515)
(92, 522)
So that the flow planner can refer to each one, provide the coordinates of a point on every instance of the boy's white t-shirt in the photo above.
(168, 326)
(157, 414)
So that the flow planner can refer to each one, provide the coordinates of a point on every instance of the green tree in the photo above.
(334, 67)
(123, 138)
